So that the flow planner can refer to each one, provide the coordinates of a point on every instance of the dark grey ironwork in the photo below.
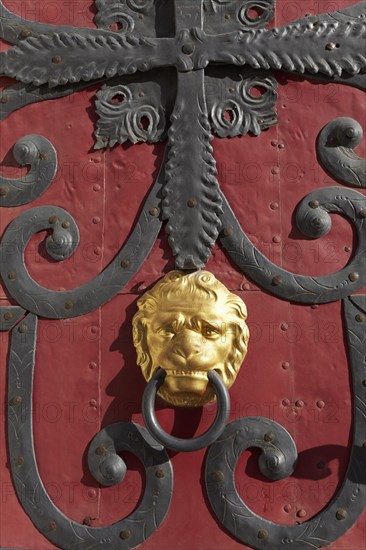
(176, 443)
(40, 154)
(105, 465)
(61, 244)
(9, 316)
(277, 461)
(54, 524)
(329, 45)
(313, 220)
(335, 147)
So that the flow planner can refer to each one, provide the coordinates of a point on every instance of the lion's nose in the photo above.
(187, 343)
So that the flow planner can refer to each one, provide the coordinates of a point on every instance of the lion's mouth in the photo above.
(184, 372)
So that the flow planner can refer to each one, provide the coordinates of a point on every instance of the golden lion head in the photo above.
(189, 324)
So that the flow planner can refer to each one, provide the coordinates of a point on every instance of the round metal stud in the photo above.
(125, 263)
(353, 276)
(341, 514)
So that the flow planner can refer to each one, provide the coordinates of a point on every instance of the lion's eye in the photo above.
(167, 331)
(210, 331)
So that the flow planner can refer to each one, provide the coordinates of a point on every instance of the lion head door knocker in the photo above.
(191, 339)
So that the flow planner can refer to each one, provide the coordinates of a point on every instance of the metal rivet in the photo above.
(56, 59)
(92, 403)
(301, 513)
(284, 326)
(341, 514)
(125, 263)
(359, 318)
(362, 213)
(262, 534)
(101, 450)
(105, 139)
(141, 94)
(269, 436)
(4, 191)
(87, 521)
(23, 328)
(43, 156)
(159, 473)
(299, 403)
(276, 239)
(245, 286)
(353, 276)
(96, 220)
(188, 48)
(285, 365)
(52, 219)
(8, 315)
(287, 508)
(92, 493)
(274, 143)
(231, 90)
(274, 205)
(281, 145)
(320, 404)
(17, 400)
(277, 280)
(227, 16)
(97, 251)
(191, 203)
(96, 187)
(286, 402)
(125, 534)
(12, 275)
(330, 46)
(97, 160)
(275, 170)
(68, 304)
(92, 365)
(228, 231)
(52, 525)
(65, 224)
(24, 33)
(154, 211)
(5, 98)
(19, 461)
(347, 249)
(314, 306)
(218, 476)
(314, 204)
(350, 132)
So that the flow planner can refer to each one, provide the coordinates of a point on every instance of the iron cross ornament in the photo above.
(180, 72)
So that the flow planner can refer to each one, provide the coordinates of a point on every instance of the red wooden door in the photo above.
(296, 371)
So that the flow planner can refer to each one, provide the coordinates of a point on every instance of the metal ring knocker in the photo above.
(176, 443)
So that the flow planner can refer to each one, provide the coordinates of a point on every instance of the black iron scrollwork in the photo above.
(314, 221)
(56, 526)
(336, 144)
(278, 460)
(38, 153)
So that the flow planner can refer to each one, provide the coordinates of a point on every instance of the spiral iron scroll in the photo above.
(277, 461)
(54, 524)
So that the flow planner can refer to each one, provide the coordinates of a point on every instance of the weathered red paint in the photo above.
(86, 375)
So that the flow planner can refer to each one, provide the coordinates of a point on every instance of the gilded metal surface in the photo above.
(65, 532)
(38, 153)
(278, 459)
(176, 443)
(188, 325)
(335, 147)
